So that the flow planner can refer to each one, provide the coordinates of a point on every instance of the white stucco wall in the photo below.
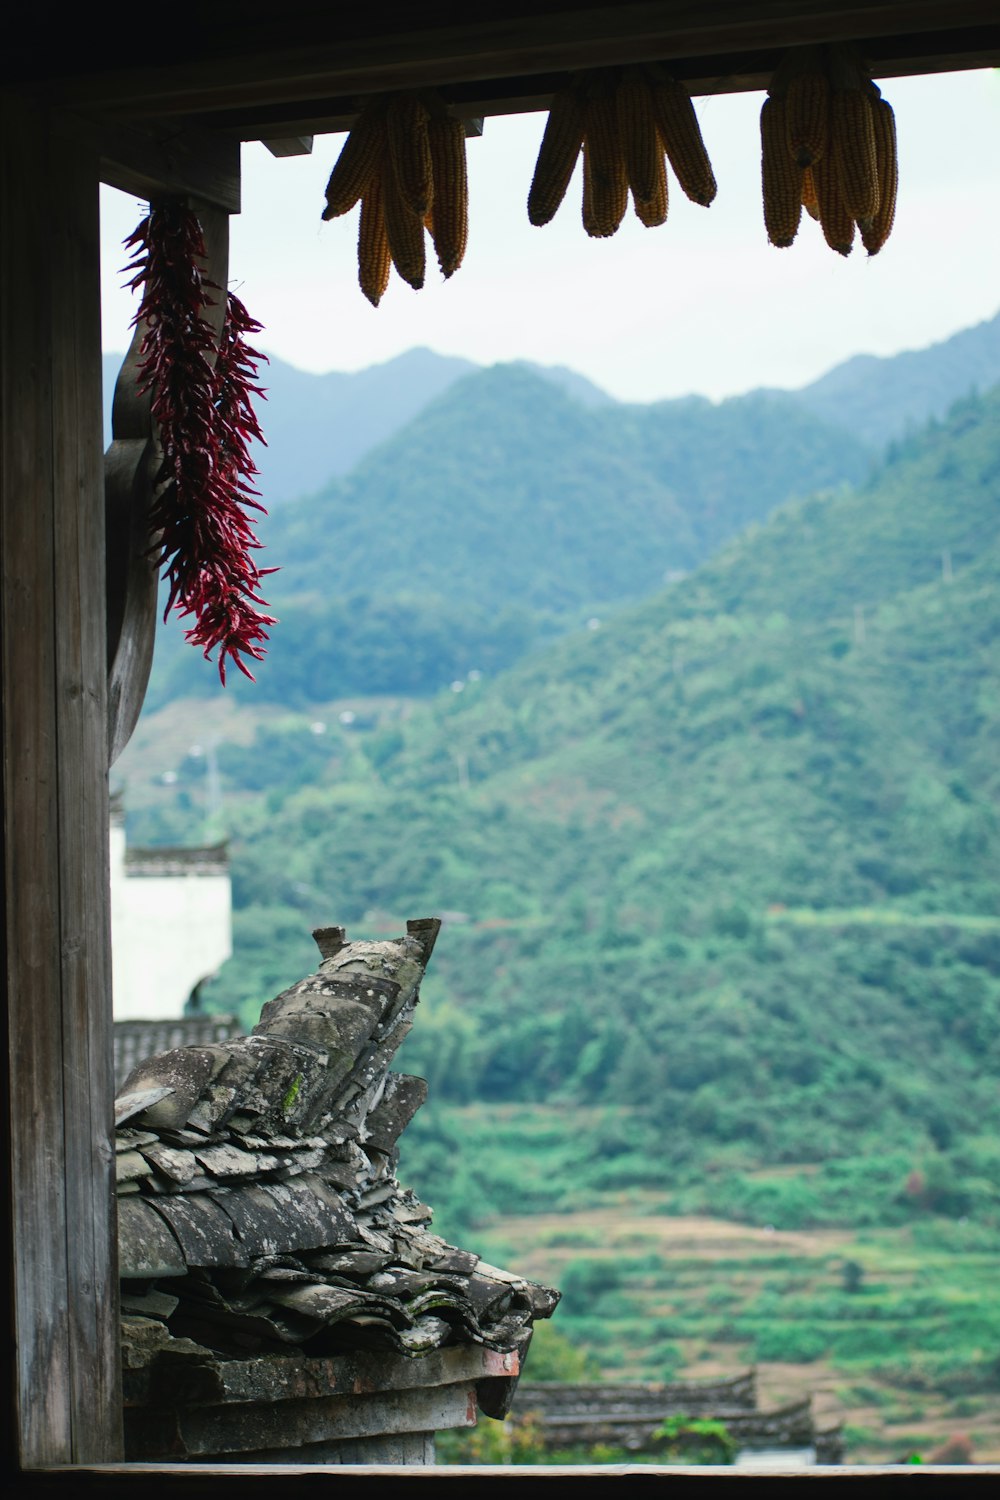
(168, 931)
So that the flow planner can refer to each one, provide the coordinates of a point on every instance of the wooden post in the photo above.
(64, 1367)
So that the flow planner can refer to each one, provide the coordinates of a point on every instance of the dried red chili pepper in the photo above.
(202, 403)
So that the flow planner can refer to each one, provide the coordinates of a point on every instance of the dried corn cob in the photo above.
(409, 151)
(398, 147)
(358, 162)
(405, 230)
(588, 188)
(852, 151)
(641, 145)
(374, 261)
(654, 211)
(850, 180)
(448, 219)
(557, 155)
(678, 127)
(781, 179)
(606, 199)
(874, 236)
(834, 215)
(807, 115)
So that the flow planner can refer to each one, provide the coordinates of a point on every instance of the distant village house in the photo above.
(171, 929)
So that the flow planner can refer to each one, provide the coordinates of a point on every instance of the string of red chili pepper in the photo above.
(201, 402)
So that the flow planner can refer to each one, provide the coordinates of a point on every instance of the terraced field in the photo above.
(895, 1333)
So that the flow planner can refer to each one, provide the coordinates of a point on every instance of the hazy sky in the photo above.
(701, 304)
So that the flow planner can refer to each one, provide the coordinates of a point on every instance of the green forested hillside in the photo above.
(521, 501)
(728, 862)
(509, 512)
(509, 491)
(319, 426)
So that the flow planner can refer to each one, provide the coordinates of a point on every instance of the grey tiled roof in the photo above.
(135, 1040)
(258, 1202)
(209, 859)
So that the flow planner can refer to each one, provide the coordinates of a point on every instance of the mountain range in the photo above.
(321, 426)
(318, 426)
(728, 860)
(881, 399)
(507, 513)
(517, 505)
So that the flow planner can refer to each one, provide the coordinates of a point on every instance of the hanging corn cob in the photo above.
(627, 122)
(809, 200)
(782, 179)
(404, 160)
(835, 218)
(374, 258)
(360, 162)
(448, 219)
(874, 236)
(643, 152)
(852, 153)
(807, 109)
(561, 145)
(828, 139)
(605, 175)
(677, 124)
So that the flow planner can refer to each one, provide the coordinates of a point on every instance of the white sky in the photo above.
(701, 304)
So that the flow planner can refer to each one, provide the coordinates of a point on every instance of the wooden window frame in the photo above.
(63, 1415)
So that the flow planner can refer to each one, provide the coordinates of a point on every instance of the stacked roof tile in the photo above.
(258, 1202)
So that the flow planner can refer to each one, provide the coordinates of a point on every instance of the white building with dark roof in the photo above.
(171, 923)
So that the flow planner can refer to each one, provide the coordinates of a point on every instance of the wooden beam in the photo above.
(332, 57)
(728, 73)
(57, 971)
(82, 795)
(190, 162)
(289, 145)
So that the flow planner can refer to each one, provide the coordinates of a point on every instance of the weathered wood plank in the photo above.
(395, 1448)
(301, 1377)
(206, 1431)
(289, 145)
(83, 832)
(330, 57)
(56, 903)
(237, 1481)
(215, 227)
(191, 163)
(713, 73)
(31, 847)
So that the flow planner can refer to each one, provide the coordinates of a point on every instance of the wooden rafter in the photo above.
(255, 79)
(728, 73)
